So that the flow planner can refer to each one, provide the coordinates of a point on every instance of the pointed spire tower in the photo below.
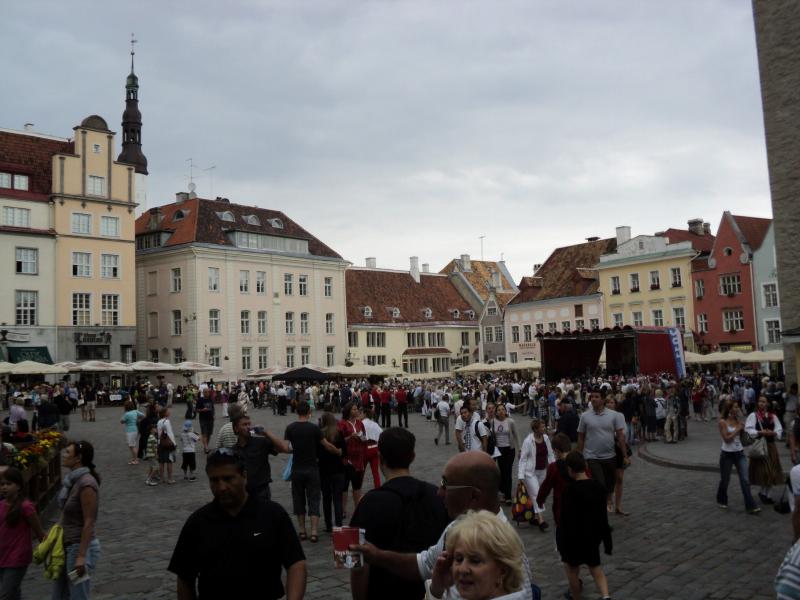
(132, 135)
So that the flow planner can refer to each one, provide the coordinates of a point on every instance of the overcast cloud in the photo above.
(392, 129)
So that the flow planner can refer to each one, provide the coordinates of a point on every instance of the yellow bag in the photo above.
(51, 553)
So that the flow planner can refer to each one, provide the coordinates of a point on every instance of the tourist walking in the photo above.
(732, 454)
(166, 445)
(205, 412)
(331, 472)
(536, 454)
(507, 440)
(79, 501)
(355, 437)
(131, 419)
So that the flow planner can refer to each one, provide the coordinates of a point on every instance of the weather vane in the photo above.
(133, 41)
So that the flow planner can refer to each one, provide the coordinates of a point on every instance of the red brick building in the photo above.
(723, 286)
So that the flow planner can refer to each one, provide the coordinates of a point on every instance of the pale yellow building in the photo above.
(238, 287)
(647, 280)
(414, 321)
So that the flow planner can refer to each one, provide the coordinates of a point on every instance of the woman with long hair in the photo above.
(79, 501)
(18, 519)
(355, 462)
(505, 432)
(331, 472)
(765, 471)
(534, 457)
(732, 454)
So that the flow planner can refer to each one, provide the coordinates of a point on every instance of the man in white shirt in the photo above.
(443, 419)
(471, 433)
(469, 482)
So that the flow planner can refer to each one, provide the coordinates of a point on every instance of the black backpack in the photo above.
(418, 529)
(491, 443)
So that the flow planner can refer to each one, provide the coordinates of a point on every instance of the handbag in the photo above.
(164, 441)
(782, 505)
(522, 510)
(758, 449)
(746, 439)
(287, 470)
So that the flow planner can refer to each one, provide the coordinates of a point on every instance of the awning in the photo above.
(38, 354)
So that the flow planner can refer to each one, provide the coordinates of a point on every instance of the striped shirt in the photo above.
(787, 581)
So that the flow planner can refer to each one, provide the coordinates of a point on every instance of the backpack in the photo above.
(491, 443)
(164, 441)
(418, 528)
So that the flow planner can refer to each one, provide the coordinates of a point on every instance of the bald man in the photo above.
(470, 481)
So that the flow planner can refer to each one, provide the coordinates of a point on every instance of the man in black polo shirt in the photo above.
(205, 413)
(235, 546)
(403, 515)
(255, 451)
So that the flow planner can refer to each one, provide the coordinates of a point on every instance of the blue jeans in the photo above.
(11, 582)
(63, 588)
(726, 462)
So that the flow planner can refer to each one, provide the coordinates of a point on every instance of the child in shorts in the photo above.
(188, 440)
(151, 455)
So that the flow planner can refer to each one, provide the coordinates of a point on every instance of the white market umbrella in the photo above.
(31, 367)
(196, 367)
(144, 366)
(477, 367)
(5, 367)
(267, 373)
(763, 356)
(693, 357)
(99, 366)
(72, 367)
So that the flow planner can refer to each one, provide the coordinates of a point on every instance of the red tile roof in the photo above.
(480, 278)
(565, 272)
(27, 230)
(31, 155)
(384, 290)
(701, 243)
(754, 229)
(202, 225)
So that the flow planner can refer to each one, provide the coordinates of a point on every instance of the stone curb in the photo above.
(644, 454)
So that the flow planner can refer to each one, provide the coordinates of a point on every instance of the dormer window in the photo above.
(395, 313)
(178, 216)
(428, 313)
(471, 315)
(456, 313)
(276, 223)
(368, 312)
(14, 181)
(252, 220)
(226, 216)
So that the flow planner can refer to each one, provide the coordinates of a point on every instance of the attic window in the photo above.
(727, 251)
(456, 313)
(178, 216)
(20, 182)
(251, 220)
(276, 223)
(428, 313)
(226, 216)
(471, 314)
(368, 312)
(395, 313)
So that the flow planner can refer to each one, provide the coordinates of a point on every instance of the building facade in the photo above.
(238, 287)
(562, 295)
(724, 290)
(414, 321)
(488, 287)
(767, 300)
(647, 280)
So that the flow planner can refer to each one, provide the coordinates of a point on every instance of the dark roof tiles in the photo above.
(31, 155)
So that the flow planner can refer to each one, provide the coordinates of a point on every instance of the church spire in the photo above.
(132, 123)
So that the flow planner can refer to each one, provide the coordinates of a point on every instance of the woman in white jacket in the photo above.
(535, 455)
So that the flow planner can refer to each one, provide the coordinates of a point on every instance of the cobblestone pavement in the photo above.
(675, 544)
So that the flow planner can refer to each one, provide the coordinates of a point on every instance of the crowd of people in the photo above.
(450, 541)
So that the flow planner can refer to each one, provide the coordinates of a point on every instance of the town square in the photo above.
(400, 300)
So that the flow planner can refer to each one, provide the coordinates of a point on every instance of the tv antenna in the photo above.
(210, 171)
(480, 237)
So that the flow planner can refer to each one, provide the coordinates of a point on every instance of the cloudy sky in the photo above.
(402, 128)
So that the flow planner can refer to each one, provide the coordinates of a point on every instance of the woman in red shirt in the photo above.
(355, 437)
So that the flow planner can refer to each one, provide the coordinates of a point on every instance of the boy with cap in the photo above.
(188, 440)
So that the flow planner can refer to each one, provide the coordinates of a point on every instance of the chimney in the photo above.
(181, 197)
(536, 268)
(623, 234)
(370, 262)
(707, 228)
(415, 268)
(465, 263)
(28, 126)
(426, 267)
(593, 238)
(497, 283)
(696, 226)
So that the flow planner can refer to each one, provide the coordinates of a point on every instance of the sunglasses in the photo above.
(448, 486)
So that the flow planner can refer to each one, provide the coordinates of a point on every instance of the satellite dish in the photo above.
(192, 187)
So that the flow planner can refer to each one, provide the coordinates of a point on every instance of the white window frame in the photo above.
(21, 182)
(81, 314)
(109, 266)
(637, 318)
(152, 324)
(617, 319)
(633, 279)
(656, 318)
(214, 317)
(26, 307)
(107, 231)
(213, 279)
(765, 295)
(289, 357)
(261, 282)
(288, 284)
(81, 264)
(14, 216)
(328, 287)
(699, 288)
(214, 355)
(515, 334)
(305, 355)
(176, 280)
(261, 322)
(109, 310)
(768, 332)
(330, 356)
(177, 322)
(732, 320)
(289, 323)
(247, 359)
(95, 185)
(263, 357)
(304, 319)
(81, 223)
(527, 333)
(702, 323)
(26, 256)
(488, 335)
(329, 324)
(244, 322)
(244, 281)
(676, 277)
(679, 319)
(730, 284)
(614, 285)
(302, 285)
(655, 280)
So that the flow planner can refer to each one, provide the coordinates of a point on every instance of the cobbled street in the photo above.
(675, 544)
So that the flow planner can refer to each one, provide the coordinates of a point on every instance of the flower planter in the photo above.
(40, 464)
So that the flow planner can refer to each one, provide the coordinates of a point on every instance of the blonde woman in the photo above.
(483, 560)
